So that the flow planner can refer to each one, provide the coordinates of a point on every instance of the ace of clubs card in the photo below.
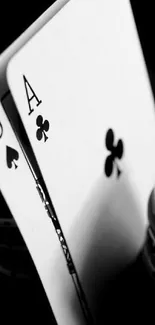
(81, 88)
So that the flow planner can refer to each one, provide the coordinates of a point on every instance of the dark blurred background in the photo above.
(22, 298)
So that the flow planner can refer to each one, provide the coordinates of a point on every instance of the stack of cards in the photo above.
(77, 163)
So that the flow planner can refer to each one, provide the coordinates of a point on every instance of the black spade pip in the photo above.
(11, 156)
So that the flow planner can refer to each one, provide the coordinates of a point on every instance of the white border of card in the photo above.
(94, 80)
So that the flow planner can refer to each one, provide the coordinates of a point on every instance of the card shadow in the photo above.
(106, 238)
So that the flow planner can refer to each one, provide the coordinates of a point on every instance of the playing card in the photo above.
(82, 91)
(19, 191)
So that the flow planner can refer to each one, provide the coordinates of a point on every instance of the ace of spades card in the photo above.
(19, 190)
(82, 91)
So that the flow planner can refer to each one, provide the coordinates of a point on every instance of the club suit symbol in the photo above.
(11, 156)
(116, 153)
(43, 128)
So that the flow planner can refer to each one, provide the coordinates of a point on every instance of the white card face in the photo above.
(19, 190)
(82, 91)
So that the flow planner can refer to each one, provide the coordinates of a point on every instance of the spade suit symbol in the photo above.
(116, 152)
(11, 156)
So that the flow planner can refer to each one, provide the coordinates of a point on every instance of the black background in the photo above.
(132, 292)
